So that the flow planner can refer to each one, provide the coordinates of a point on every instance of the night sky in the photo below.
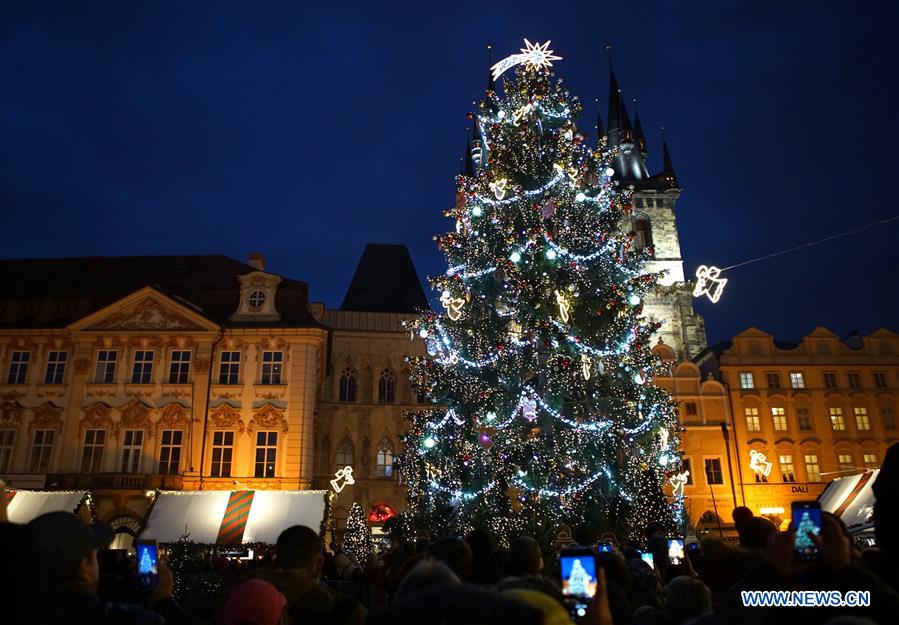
(303, 130)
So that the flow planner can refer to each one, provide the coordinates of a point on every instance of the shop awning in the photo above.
(851, 499)
(232, 518)
(24, 505)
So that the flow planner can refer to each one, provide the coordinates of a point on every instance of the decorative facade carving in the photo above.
(97, 416)
(226, 417)
(12, 396)
(149, 314)
(173, 416)
(136, 416)
(47, 416)
(268, 417)
(11, 413)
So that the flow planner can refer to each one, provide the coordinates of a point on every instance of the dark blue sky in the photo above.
(305, 129)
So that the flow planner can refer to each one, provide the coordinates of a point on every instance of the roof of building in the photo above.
(52, 293)
(385, 281)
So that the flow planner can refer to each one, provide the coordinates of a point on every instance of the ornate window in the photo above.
(746, 381)
(797, 379)
(345, 454)
(106, 361)
(170, 452)
(229, 367)
(347, 385)
(870, 461)
(142, 370)
(384, 459)
(179, 367)
(256, 299)
(56, 367)
(42, 446)
(18, 367)
(132, 443)
(271, 367)
(387, 387)
(222, 453)
(266, 454)
(92, 452)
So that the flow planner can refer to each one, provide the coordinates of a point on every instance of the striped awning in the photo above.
(232, 518)
(851, 499)
(24, 505)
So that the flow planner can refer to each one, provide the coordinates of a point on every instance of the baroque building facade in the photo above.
(122, 375)
(798, 414)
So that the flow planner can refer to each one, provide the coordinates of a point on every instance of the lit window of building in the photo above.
(779, 418)
(861, 418)
(836, 419)
(752, 420)
(713, 471)
(870, 461)
(812, 468)
(746, 380)
(786, 467)
(797, 380)
(845, 462)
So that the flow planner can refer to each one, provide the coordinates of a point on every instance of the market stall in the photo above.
(24, 505)
(851, 499)
(233, 517)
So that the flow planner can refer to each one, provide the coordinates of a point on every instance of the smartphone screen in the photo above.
(578, 579)
(806, 518)
(675, 550)
(647, 558)
(147, 560)
(604, 547)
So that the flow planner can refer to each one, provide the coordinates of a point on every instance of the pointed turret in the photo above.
(638, 133)
(477, 152)
(600, 130)
(467, 165)
(668, 173)
(491, 85)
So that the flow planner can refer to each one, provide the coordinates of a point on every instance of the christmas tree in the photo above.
(539, 368)
(357, 538)
(804, 542)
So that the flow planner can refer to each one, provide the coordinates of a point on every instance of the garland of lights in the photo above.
(540, 365)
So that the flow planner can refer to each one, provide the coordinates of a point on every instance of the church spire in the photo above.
(667, 166)
(491, 85)
(638, 133)
(600, 131)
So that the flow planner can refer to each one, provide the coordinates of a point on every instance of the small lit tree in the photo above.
(357, 539)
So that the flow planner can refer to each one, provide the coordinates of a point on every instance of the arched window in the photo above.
(347, 390)
(643, 231)
(387, 387)
(384, 459)
(345, 454)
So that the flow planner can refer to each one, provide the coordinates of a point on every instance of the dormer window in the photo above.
(257, 299)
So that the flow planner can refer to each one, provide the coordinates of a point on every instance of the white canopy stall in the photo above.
(233, 517)
(851, 499)
(24, 505)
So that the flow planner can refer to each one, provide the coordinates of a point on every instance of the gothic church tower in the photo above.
(652, 221)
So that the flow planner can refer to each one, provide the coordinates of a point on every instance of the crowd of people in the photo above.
(51, 575)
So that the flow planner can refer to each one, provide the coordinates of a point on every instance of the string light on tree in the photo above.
(546, 433)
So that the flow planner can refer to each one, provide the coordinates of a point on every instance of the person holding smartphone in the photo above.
(67, 548)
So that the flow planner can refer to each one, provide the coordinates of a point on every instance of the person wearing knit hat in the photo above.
(255, 602)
